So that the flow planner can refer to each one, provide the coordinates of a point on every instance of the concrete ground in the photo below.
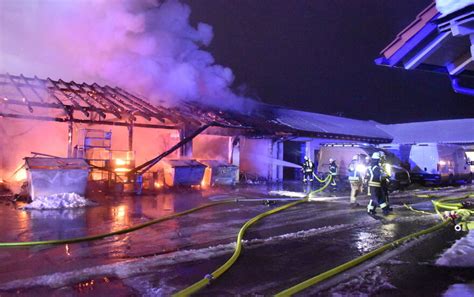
(280, 251)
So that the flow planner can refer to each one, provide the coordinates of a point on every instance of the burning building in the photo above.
(124, 137)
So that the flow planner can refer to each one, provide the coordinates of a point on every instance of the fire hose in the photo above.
(341, 268)
(238, 247)
(118, 232)
(456, 213)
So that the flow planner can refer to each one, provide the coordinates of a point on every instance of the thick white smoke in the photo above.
(146, 46)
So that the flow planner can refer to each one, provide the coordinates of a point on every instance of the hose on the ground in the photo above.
(118, 232)
(463, 214)
(417, 210)
(341, 268)
(238, 247)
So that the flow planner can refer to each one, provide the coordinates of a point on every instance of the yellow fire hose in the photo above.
(464, 225)
(341, 268)
(118, 232)
(238, 248)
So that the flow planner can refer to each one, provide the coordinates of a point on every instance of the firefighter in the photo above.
(387, 168)
(333, 173)
(308, 168)
(356, 172)
(376, 175)
(366, 178)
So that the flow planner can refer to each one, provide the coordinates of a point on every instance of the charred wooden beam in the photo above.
(144, 111)
(130, 109)
(149, 164)
(81, 121)
(117, 111)
(51, 93)
(24, 99)
(77, 106)
(150, 106)
(32, 89)
(93, 107)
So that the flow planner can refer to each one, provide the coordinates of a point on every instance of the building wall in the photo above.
(18, 138)
(255, 157)
(212, 147)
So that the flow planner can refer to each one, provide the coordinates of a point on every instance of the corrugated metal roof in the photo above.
(321, 123)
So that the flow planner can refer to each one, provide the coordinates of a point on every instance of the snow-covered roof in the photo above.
(447, 131)
(449, 6)
(327, 124)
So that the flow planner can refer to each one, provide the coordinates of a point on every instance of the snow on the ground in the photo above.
(457, 290)
(287, 194)
(448, 6)
(131, 268)
(368, 283)
(460, 254)
(59, 201)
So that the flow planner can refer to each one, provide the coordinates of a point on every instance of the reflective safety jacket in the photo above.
(333, 168)
(376, 175)
(354, 174)
(308, 166)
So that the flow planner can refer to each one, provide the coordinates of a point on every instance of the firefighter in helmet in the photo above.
(333, 173)
(377, 196)
(308, 169)
(356, 174)
(387, 168)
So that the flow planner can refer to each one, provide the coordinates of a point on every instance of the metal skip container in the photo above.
(220, 173)
(48, 176)
(183, 172)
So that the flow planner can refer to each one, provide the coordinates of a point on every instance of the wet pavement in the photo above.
(280, 251)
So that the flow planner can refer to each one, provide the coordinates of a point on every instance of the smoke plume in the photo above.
(146, 46)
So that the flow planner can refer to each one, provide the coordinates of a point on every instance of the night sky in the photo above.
(317, 55)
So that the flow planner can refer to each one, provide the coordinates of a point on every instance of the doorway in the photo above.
(293, 152)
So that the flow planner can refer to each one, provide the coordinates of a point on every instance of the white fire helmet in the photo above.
(376, 155)
(355, 158)
(306, 158)
(331, 160)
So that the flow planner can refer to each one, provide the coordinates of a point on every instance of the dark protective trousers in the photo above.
(377, 198)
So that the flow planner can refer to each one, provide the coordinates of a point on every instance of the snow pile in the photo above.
(460, 290)
(448, 6)
(59, 201)
(461, 254)
(287, 194)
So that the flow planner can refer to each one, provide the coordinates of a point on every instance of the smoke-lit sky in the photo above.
(314, 55)
(317, 55)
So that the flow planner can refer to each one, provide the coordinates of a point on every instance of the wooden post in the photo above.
(70, 132)
(130, 136)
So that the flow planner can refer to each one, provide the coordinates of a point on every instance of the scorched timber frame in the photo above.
(78, 103)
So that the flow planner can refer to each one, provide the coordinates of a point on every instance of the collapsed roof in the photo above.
(50, 100)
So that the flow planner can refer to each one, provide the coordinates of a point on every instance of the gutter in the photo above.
(460, 89)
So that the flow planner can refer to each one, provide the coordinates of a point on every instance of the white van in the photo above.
(343, 153)
(435, 163)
